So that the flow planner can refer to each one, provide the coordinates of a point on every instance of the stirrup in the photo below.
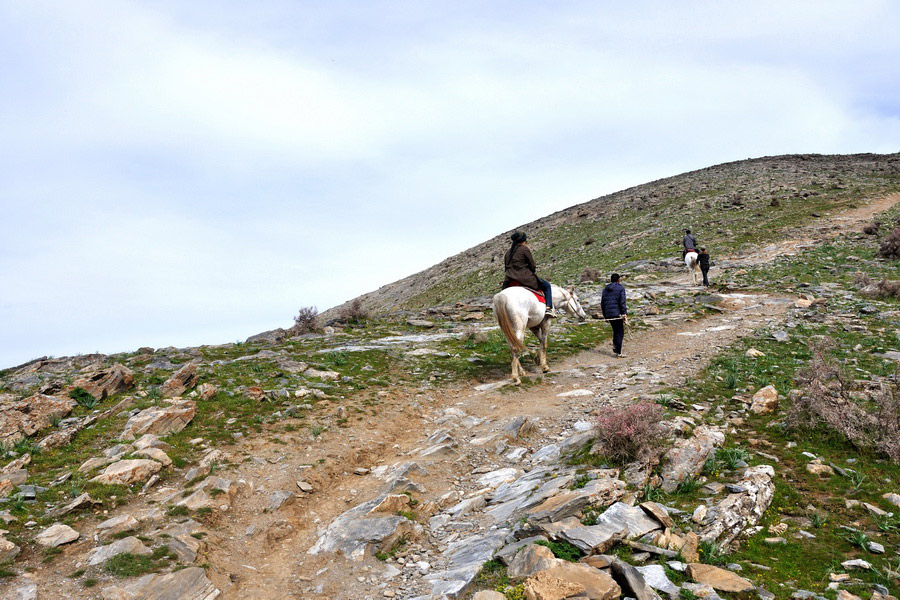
(550, 313)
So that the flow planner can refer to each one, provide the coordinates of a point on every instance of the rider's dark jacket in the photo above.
(690, 242)
(612, 302)
(521, 267)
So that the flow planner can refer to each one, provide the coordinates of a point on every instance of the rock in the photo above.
(631, 581)
(699, 514)
(754, 353)
(530, 560)
(495, 478)
(765, 401)
(25, 590)
(182, 380)
(546, 587)
(207, 391)
(8, 550)
(892, 498)
(817, 468)
(420, 323)
(658, 512)
(597, 584)
(465, 558)
(160, 420)
(130, 545)
(356, 531)
(57, 439)
(488, 595)
(149, 440)
(24, 418)
(116, 525)
(736, 512)
(305, 487)
(95, 463)
(107, 382)
(690, 550)
(282, 498)
(595, 539)
(81, 501)
(601, 492)
(321, 374)
(781, 336)
(206, 496)
(56, 535)
(687, 457)
(719, 579)
(803, 303)
(155, 454)
(655, 577)
(186, 584)
(126, 472)
(631, 518)
(874, 547)
(857, 563)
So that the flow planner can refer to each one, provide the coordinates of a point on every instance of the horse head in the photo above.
(571, 304)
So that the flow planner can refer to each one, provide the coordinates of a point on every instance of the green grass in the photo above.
(563, 549)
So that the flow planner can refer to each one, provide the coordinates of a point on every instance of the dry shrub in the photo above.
(306, 321)
(355, 313)
(886, 288)
(589, 275)
(861, 280)
(629, 433)
(826, 400)
(890, 247)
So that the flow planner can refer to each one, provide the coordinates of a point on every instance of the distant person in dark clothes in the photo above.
(612, 303)
(520, 267)
(689, 242)
(703, 260)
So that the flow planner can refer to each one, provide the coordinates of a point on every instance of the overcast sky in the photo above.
(185, 173)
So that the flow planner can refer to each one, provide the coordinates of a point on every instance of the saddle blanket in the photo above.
(538, 295)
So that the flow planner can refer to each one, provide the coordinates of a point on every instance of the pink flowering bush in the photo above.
(630, 432)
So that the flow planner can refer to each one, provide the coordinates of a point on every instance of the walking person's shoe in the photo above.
(620, 354)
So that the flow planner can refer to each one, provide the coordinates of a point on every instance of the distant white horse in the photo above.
(517, 308)
(691, 261)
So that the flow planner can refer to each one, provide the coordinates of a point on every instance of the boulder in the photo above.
(24, 418)
(530, 560)
(206, 495)
(631, 518)
(107, 382)
(742, 509)
(631, 581)
(597, 584)
(765, 401)
(8, 550)
(160, 420)
(155, 454)
(488, 595)
(116, 525)
(598, 492)
(655, 577)
(56, 535)
(595, 539)
(544, 586)
(465, 560)
(719, 579)
(687, 457)
(207, 391)
(126, 472)
(181, 381)
(129, 545)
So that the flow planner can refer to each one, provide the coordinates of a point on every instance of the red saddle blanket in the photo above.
(539, 295)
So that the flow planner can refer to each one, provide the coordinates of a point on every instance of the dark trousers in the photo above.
(548, 292)
(705, 278)
(618, 327)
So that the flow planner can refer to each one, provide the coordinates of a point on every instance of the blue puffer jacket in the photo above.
(612, 303)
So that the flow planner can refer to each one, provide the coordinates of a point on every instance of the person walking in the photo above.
(703, 260)
(689, 242)
(520, 269)
(612, 304)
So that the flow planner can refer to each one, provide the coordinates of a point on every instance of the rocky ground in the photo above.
(373, 465)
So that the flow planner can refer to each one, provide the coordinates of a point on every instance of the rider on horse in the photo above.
(520, 269)
(689, 242)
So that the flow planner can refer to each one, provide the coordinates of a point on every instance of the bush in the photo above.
(872, 228)
(306, 321)
(630, 432)
(826, 402)
(890, 247)
(590, 275)
(471, 336)
(355, 313)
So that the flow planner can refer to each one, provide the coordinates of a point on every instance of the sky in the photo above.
(183, 173)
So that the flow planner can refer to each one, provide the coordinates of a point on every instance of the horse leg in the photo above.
(541, 333)
(516, 367)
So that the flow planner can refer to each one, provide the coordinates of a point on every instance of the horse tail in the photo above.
(501, 311)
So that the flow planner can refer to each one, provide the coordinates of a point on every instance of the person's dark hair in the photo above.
(687, 230)
(517, 238)
(614, 277)
(702, 249)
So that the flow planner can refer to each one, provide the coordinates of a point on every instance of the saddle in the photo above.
(539, 295)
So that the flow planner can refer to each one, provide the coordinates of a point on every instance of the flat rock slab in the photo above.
(126, 472)
(633, 518)
(631, 581)
(597, 584)
(466, 558)
(688, 456)
(531, 560)
(737, 511)
(131, 545)
(57, 535)
(719, 579)
(571, 502)
(596, 539)
(655, 577)
(159, 420)
(544, 586)
(186, 584)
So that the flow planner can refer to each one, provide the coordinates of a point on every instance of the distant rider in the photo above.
(520, 267)
(689, 242)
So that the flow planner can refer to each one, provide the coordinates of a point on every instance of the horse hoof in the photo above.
(517, 382)
(545, 369)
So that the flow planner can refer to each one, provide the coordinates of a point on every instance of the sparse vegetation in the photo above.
(306, 321)
(630, 432)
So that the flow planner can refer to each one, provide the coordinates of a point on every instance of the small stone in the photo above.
(817, 468)
(772, 541)
(361, 471)
(57, 535)
(856, 563)
(892, 498)
(838, 577)
(875, 547)
(699, 514)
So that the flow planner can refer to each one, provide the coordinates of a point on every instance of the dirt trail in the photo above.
(263, 555)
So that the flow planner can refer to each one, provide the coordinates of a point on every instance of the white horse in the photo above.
(517, 308)
(692, 262)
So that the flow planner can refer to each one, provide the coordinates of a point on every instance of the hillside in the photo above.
(732, 206)
(746, 447)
